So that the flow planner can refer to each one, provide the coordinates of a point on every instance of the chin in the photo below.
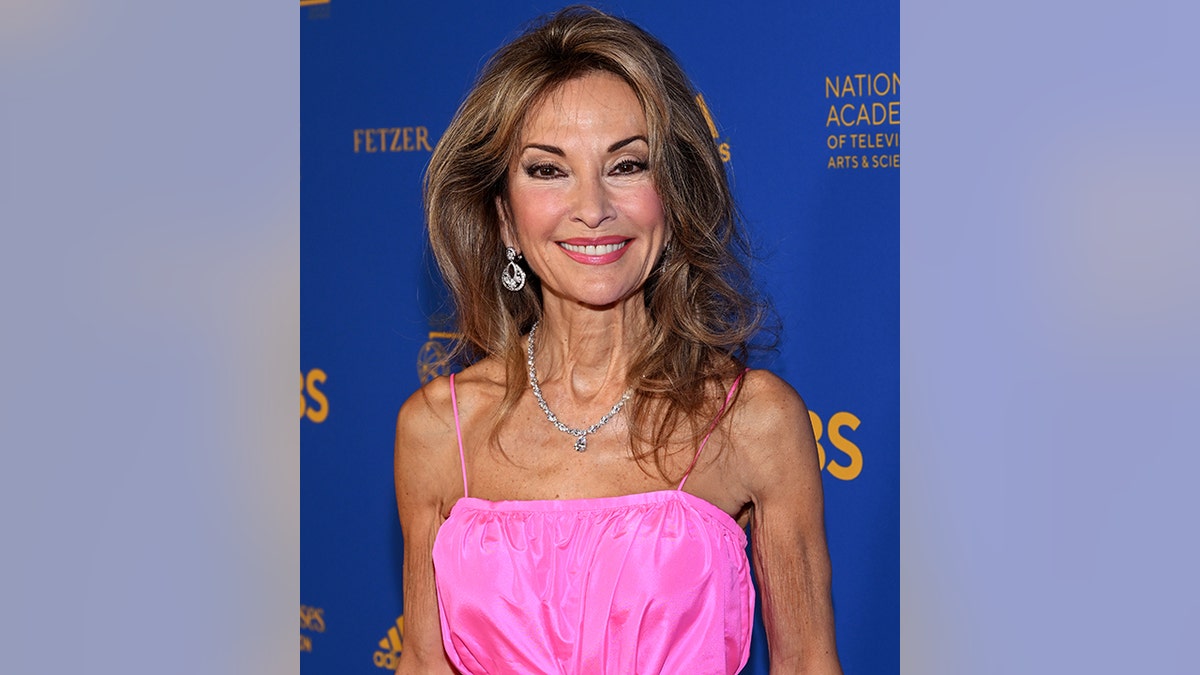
(599, 294)
(608, 298)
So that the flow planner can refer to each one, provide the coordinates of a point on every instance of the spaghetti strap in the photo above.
(711, 427)
(462, 462)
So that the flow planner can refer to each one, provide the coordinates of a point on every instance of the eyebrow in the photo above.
(555, 150)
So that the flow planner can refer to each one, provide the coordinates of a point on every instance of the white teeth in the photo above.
(603, 249)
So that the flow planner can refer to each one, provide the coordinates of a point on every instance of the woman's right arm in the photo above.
(427, 481)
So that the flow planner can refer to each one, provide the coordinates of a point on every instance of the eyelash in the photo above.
(637, 164)
(621, 168)
(535, 170)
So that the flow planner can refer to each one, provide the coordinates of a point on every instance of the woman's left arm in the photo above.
(777, 457)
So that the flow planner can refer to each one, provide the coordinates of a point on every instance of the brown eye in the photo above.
(629, 167)
(542, 171)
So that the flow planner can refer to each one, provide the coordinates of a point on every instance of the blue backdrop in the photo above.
(804, 104)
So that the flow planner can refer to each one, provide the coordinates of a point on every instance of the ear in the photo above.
(507, 233)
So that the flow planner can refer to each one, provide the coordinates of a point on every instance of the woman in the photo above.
(581, 217)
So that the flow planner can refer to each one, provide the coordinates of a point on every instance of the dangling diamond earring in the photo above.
(513, 277)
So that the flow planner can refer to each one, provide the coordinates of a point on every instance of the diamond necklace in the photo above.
(579, 434)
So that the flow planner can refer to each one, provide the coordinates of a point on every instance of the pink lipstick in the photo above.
(599, 251)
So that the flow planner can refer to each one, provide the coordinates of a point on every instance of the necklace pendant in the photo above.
(581, 444)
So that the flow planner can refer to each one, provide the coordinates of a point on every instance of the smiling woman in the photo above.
(581, 205)
(581, 217)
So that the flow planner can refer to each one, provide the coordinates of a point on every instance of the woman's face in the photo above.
(582, 206)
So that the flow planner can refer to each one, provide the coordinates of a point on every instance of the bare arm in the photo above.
(782, 478)
(427, 481)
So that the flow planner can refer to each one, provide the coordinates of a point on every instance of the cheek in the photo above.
(534, 211)
(647, 210)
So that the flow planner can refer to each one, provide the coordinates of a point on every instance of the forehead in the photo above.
(597, 103)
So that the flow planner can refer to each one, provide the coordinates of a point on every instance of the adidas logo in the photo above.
(388, 655)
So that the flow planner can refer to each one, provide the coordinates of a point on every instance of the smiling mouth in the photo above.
(602, 249)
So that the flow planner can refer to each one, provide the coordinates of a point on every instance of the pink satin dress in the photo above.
(656, 582)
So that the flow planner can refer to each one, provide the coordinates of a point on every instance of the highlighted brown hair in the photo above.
(702, 308)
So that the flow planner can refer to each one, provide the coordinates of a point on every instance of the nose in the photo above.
(593, 203)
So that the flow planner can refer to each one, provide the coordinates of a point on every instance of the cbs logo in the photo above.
(313, 403)
(833, 432)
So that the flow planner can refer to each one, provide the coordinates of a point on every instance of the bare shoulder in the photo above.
(768, 406)
(425, 422)
(482, 380)
(426, 450)
(428, 465)
(428, 414)
(772, 434)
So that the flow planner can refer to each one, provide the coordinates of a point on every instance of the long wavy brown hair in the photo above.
(703, 310)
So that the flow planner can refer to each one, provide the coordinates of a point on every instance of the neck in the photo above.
(584, 352)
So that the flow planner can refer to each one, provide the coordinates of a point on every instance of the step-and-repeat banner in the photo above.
(803, 101)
